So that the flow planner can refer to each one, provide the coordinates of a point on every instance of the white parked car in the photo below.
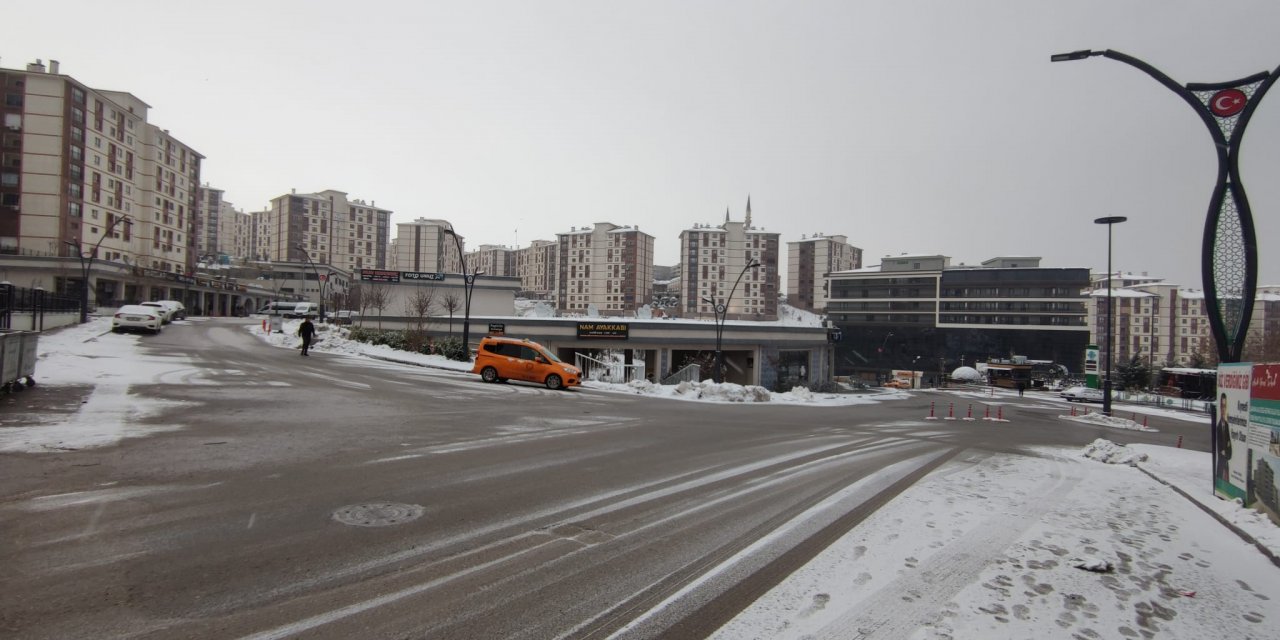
(173, 310)
(136, 317)
(1082, 394)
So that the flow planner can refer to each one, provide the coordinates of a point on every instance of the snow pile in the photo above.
(1112, 453)
(1104, 420)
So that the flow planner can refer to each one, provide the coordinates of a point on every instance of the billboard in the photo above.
(1246, 436)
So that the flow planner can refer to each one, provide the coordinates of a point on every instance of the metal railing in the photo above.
(689, 373)
(607, 371)
(28, 307)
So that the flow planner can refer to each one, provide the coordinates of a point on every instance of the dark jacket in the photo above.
(306, 330)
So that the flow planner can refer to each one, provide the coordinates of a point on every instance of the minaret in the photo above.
(747, 222)
(726, 215)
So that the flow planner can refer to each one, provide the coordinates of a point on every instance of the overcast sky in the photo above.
(909, 127)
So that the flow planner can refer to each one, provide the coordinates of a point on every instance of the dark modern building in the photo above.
(921, 313)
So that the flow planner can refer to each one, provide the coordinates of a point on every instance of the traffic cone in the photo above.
(987, 414)
(1073, 410)
(931, 416)
(969, 418)
(951, 411)
(1179, 442)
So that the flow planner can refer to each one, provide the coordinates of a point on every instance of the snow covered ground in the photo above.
(1092, 543)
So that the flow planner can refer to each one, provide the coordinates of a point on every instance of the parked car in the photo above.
(343, 317)
(137, 317)
(177, 310)
(172, 309)
(898, 384)
(499, 359)
(1082, 394)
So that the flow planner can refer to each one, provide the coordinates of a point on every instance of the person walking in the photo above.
(306, 330)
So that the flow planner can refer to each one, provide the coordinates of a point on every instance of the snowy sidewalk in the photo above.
(990, 547)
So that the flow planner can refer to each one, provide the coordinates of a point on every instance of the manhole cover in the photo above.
(377, 514)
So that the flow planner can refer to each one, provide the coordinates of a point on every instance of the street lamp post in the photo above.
(1110, 221)
(86, 264)
(722, 313)
(468, 285)
(320, 282)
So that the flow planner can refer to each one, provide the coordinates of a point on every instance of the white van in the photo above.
(304, 309)
(278, 309)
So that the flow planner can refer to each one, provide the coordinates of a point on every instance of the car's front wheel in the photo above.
(554, 382)
(489, 374)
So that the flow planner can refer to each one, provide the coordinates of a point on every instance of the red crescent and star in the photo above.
(1228, 102)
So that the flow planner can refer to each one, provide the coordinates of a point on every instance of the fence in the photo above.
(36, 309)
(690, 373)
(608, 371)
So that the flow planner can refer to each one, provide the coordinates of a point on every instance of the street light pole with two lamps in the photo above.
(1110, 221)
(722, 312)
(86, 263)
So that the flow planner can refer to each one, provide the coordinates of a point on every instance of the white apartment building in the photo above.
(536, 267)
(811, 258)
(716, 258)
(1167, 325)
(83, 170)
(220, 229)
(493, 260)
(608, 267)
(425, 245)
(326, 227)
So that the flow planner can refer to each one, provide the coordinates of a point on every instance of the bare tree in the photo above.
(417, 305)
(451, 303)
(375, 296)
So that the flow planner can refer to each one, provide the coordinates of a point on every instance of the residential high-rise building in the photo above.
(217, 225)
(808, 260)
(424, 245)
(493, 260)
(607, 266)
(83, 168)
(1166, 325)
(715, 260)
(536, 266)
(348, 234)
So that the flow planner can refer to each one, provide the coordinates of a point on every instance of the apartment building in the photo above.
(82, 171)
(220, 229)
(1167, 325)
(921, 313)
(327, 227)
(716, 268)
(536, 267)
(809, 260)
(235, 233)
(606, 266)
(493, 260)
(426, 245)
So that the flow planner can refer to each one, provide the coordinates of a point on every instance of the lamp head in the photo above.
(1074, 55)
(1110, 220)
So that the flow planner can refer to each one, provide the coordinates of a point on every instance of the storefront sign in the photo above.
(420, 275)
(379, 275)
(603, 330)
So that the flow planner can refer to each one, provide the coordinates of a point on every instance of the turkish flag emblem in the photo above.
(1228, 102)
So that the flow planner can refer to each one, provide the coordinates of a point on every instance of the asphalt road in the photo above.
(503, 511)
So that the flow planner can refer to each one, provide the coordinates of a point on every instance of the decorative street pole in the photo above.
(1229, 253)
(722, 313)
(468, 284)
(320, 281)
(86, 264)
(1110, 221)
